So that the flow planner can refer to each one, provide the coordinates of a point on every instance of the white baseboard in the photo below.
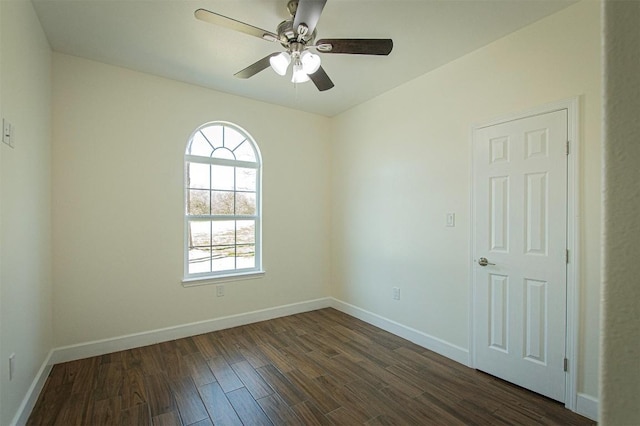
(434, 344)
(30, 399)
(105, 346)
(587, 405)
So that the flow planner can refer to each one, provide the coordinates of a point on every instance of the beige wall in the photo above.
(402, 161)
(25, 228)
(118, 145)
(620, 364)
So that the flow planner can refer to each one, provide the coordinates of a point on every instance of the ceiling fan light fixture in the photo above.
(310, 62)
(280, 62)
(298, 75)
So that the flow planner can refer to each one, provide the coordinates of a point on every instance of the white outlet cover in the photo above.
(12, 366)
(396, 293)
(6, 132)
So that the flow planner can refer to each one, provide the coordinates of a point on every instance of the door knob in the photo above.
(484, 262)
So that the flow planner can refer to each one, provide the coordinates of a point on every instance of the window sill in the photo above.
(193, 282)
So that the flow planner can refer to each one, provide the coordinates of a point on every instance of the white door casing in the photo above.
(520, 224)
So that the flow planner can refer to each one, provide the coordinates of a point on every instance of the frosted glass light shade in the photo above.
(280, 62)
(310, 62)
(298, 75)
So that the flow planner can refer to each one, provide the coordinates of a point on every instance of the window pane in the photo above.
(246, 231)
(223, 153)
(245, 152)
(224, 258)
(222, 202)
(224, 232)
(246, 203)
(198, 202)
(232, 138)
(199, 234)
(222, 177)
(245, 179)
(199, 146)
(214, 135)
(246, 257)
(198, 175)
(199, 260)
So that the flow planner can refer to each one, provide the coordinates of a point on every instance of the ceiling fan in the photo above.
(297, 35)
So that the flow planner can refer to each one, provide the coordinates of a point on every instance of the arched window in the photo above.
(222, 203)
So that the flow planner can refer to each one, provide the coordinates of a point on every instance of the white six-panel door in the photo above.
(520, 227)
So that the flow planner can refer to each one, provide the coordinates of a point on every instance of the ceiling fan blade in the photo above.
(356, 46)
(232, 24)
(308, 13)
(321, 80)
(256, 67)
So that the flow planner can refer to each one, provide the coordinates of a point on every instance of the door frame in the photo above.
(572, 106)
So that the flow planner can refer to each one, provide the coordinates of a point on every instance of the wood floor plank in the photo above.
(85, 375)
(421, 412)
(199, 369)
(190, 406)
(167, 419)
(218, 406)
(390, 379)
(228, 347)
(173, 361)
(310, 414)
(206, 346)
(151, 359)
(110, 380)
(205, 422)
(160, 398)
(224, 374)
(359, 409)
(319, 367)
(247, 408)
(137, 415)
(344, 416)
(317, 344)
(301, 362)
(278, 411)
(252, 380)
(50, 404)
(186, 346)
(339, 372)
(254, 355)
(275, 357)
(74, 410)
(133, 391)
(104, 412)
(282, 385)
(322, 399)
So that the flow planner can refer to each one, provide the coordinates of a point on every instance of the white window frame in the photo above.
(203, 278)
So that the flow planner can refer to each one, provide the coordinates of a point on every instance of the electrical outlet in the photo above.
(7, 132)
(219, 290)
(396, 293)
(12, 366)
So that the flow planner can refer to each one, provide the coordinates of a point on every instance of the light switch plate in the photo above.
(451, 219)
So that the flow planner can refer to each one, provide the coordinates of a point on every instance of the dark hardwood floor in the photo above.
(321, 367)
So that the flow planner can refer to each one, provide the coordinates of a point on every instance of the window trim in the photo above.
(211, 277)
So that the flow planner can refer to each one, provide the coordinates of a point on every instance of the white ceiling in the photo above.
(162, 37)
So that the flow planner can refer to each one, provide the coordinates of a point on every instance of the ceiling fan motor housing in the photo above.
(287, 34)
